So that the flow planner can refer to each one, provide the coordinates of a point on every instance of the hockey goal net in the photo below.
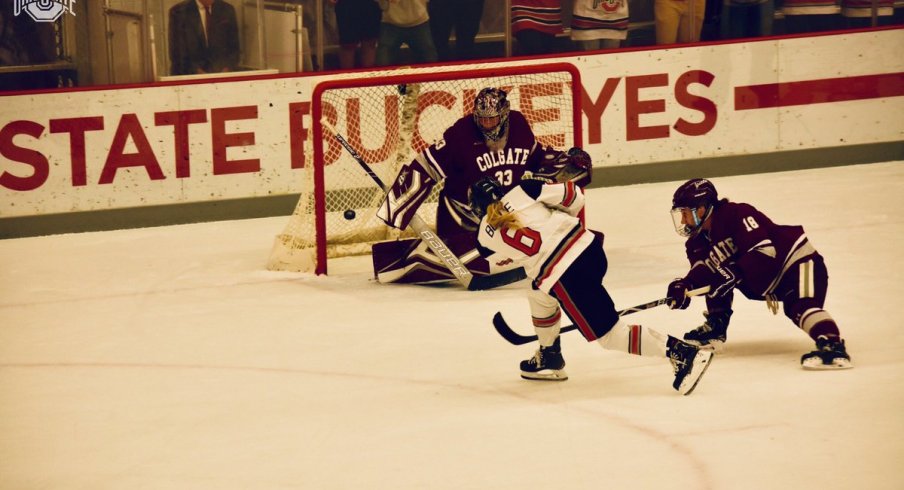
(388, 119)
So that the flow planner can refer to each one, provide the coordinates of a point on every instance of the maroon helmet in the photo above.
(688, 199)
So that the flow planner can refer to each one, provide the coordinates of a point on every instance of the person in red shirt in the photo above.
(536, 25)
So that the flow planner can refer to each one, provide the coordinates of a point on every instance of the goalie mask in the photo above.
(491, 111)
(686, 204)
(482, 193)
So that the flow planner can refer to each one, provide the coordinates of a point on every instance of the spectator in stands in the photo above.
(747, 18)
(801, 16)
(535, 24)
(405, 22)
(678, 21)
(359, 28)
(25, 42)
(203, 37)
(859, 13)
(599, 24)
(463, 16)
(712, 21)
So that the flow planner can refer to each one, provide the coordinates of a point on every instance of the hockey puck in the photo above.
(349, 214)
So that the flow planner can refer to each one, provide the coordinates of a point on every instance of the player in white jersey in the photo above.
(536, 225)
(492, 140)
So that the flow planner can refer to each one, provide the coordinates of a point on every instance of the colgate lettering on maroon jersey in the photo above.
(510, 156)
(720, 252)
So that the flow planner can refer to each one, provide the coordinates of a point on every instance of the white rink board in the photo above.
(240, 141)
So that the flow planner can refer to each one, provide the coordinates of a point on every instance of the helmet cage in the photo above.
(490, 104)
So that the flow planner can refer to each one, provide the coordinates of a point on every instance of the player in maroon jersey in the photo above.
(735, 246)
(536, 225)
(491, 141)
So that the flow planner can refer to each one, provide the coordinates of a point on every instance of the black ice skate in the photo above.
(711, 334)
(546, 365)
(689, 362)
(829, 354)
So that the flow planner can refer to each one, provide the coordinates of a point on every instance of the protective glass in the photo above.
(685, 220)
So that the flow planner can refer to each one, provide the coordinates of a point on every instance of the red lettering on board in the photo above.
(390, 137)
(130, 127)
(297, 132)
(594, 110)
(222, 140)
(535, 116)
(180, 120)
(636, 107)
(691, 101)
(77, 127)
(16, 153)
(331, 148)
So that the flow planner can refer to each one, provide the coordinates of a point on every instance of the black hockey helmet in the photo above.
(491, 111)
(688, 198)
(483, 193)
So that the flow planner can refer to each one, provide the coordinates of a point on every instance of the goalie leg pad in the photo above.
(410, 261)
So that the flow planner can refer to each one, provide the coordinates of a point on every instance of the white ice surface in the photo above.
(168, 358)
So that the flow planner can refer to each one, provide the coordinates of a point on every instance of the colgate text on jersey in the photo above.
(514, 156)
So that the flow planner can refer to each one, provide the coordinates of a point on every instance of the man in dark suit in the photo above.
(203, 37)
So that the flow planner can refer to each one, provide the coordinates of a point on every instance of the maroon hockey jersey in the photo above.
(743, 249)
(460, 158)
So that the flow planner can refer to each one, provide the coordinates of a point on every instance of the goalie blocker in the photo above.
(410, 261)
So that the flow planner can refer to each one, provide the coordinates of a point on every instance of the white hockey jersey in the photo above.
(551, 236)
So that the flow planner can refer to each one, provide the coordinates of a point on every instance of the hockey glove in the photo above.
(724, 279)
(574, 165)
(677, 294)
(580, 158)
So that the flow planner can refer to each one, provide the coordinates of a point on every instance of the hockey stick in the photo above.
(436, 244)
(517, 339)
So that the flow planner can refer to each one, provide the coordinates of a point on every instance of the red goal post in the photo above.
(388, 118)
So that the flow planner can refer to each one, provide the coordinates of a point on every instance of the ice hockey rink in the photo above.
(168, 358)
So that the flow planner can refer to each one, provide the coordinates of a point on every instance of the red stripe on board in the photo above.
(819, 91)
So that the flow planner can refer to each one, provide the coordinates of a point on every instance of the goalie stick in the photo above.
(436, 244)
(517, 339)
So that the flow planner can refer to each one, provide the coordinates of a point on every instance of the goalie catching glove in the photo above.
(574, 165)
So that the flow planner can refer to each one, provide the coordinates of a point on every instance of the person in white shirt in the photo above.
(405, 22)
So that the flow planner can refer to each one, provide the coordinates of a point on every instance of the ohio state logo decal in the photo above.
(43, 10)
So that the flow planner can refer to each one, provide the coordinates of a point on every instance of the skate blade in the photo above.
(546, 375)
(701, 363)
(716, 345)
(816, 364)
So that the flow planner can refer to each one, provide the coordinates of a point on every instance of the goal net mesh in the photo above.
(388, 119)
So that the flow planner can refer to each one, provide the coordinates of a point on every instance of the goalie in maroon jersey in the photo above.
(491, 141)
(735, 246)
